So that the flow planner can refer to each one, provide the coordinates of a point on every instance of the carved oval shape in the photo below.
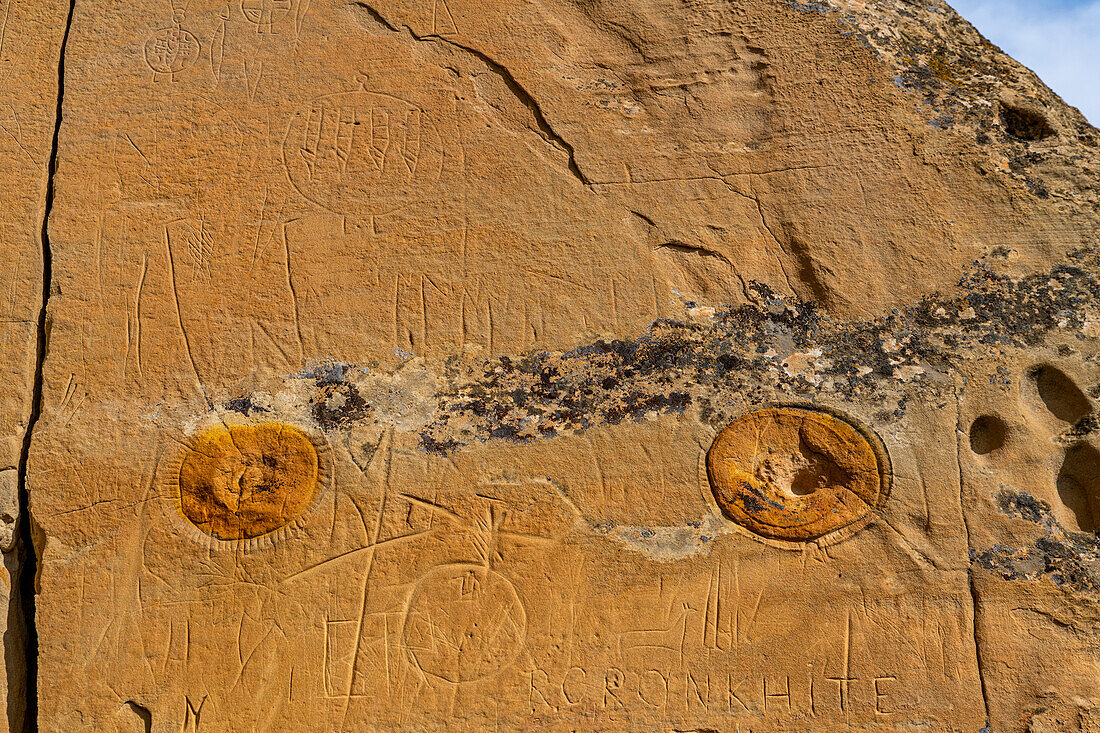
(265, 13)
(243, 481)
(796, 474)
(362, 152)
(171, 50)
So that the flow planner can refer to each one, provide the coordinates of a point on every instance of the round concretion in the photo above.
(242, 481)
(796, 474)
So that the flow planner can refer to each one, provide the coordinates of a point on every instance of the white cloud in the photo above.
(1060, 41)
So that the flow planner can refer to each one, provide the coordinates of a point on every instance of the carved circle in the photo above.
(171, 50)
(796, 474)
(243, 481)
(464, 623)
(362, 152)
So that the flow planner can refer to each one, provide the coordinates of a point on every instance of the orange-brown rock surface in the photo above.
(553, 365)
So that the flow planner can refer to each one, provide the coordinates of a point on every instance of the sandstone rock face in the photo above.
(31, 36)
(553, 365)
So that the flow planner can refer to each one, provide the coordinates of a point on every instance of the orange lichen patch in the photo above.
(795, 474)
(242, 481)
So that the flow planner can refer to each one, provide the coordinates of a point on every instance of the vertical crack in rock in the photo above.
(518, 91)
(959, 433)
(28, 568)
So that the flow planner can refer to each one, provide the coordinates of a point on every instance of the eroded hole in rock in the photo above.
(803, 472)
(987, 434)
(1062, 397)
(1079, 486)
(1025, 124)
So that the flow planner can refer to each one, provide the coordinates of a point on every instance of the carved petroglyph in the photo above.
(362, 152)
(384, 403)
(243, 481)
(171, 50)
(465, 622)
(184, 149)
(443, 21)
(193, 713)
(217, 43)
(796, 474)
(264, 14)
(448, 623)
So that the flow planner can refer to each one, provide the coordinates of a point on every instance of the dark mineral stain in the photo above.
(751, 503)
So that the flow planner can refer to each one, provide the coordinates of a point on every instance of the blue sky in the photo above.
(1058, 39)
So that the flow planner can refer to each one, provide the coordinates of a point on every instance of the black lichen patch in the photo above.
(1024, 506)
(1009, 312)
(244, 405)
(1082, 429)
(1070, 560)
(337, 404)
(1009, 562)
(775, 345)
(812, 6)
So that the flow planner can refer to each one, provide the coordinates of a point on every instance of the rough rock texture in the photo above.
(31, 35)
(387, 345)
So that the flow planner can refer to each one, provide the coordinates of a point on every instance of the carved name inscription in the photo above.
(696, 690)
(796, 474)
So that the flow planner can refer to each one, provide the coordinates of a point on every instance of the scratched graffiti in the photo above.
(465, 622)
(362, 152)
